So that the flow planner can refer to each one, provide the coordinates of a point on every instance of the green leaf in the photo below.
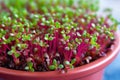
(9, 52)
(22, 46)
(61, 66)
(16, 54)
(33, 4)
(1, 35)
(26, 68)
(41, 43)
(2, 31)
(93, 41)
(84, 33)
(29, 67)
(26, 37)
(51, 38)
(32, 69)
(66, 37)
(45, 9)
(46, 37)
(30, 64)
(71, 66)
(67, 62)
(57, 25)
(14, 27)
(73, 61)
(52, 67)
(13, 48)
(55, 62)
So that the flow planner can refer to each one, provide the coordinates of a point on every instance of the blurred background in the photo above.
(112, 72)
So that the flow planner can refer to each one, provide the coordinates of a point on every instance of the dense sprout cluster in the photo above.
(45, 35)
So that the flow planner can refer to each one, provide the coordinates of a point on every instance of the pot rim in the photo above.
(82, 70)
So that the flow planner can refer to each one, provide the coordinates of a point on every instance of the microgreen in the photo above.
(47, 37)
(29, 67)
(21, 46)
(52, 67)
(53, 34)
(13, 52)
(26, 37)
(73, 61)
(61, 66)
(57, 24)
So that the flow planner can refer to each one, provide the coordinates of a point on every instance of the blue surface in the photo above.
(112, 72)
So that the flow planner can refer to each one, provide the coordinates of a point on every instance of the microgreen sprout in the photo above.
(29, 67)
(14, 52)
(49, 35)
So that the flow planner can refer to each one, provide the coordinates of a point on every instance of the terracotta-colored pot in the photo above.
(91, 71)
